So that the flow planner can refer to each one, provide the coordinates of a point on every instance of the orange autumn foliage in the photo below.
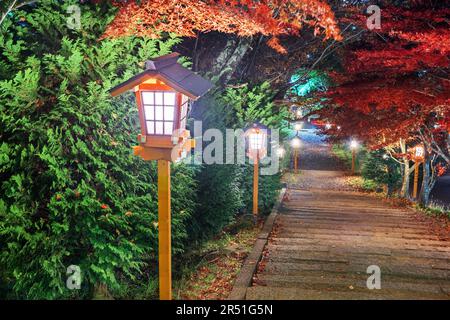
(272, 18)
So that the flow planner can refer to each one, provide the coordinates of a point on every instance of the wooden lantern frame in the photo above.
(164, 74)
(257, 128)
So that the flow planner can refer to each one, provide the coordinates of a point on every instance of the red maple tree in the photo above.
(273, 18)
(395, 88)
(394, 79)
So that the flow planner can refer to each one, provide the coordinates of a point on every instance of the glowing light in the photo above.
(354, 144)
(159, 112)
(420, 152)
(296, 142)
(328, 126)
(281, 152)
(385, 156)
(298, 126)
(339, 127)
(256, 140)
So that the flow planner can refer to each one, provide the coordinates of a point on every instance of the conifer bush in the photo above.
(72, 193)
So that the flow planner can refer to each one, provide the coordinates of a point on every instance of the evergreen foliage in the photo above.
(382, 171)
(71, 190)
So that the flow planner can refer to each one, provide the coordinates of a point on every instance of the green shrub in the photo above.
(244, 105)
(269, 187)
(71, 190)
(384, 172)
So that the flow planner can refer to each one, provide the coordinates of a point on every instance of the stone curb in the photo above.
(244, 278)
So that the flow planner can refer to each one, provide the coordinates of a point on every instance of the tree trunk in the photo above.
(229, 59)
(406, 170)
(425, 190)
(429, 174)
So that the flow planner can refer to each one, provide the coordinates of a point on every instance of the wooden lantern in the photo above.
(256, 140)
(164, 92)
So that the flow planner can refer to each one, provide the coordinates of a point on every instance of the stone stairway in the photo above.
(323, 241)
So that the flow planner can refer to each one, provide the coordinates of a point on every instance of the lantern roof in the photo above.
(167, 69)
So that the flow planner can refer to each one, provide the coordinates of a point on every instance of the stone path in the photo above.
(324, 241)
(325, 236)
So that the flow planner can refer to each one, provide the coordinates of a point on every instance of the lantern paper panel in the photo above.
(256, 140)
(184, 111)
(420, 152)
(159, 112)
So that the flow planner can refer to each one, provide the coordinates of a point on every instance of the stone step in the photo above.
(363, 258)
(274, 293)
(345, 218)
(349, 249)
(359, 239)
(353, 230)
(320, 280)
(293, 269)
(375, 231)
(402, 244)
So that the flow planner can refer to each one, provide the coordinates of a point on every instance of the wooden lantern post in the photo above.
(353, 161)
(164, 227)
(353, 146)
(256, 138)
(163, 94)
(255, 186)
(296, 144)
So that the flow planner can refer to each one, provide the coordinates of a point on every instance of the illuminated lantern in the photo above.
(354, 145)
(296, 142)
(419, 153)
(418, 157)
(164, 92)
(281, 152)
(298, 126)
(256, 140)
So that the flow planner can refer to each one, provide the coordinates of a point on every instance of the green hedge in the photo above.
(71, 191)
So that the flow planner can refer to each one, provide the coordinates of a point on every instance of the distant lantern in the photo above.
(296, 142)
(298, 126)
(256, 138)
(281, 152)
(354, 144)
(164, 92)
(256, 142)
(419, 153)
